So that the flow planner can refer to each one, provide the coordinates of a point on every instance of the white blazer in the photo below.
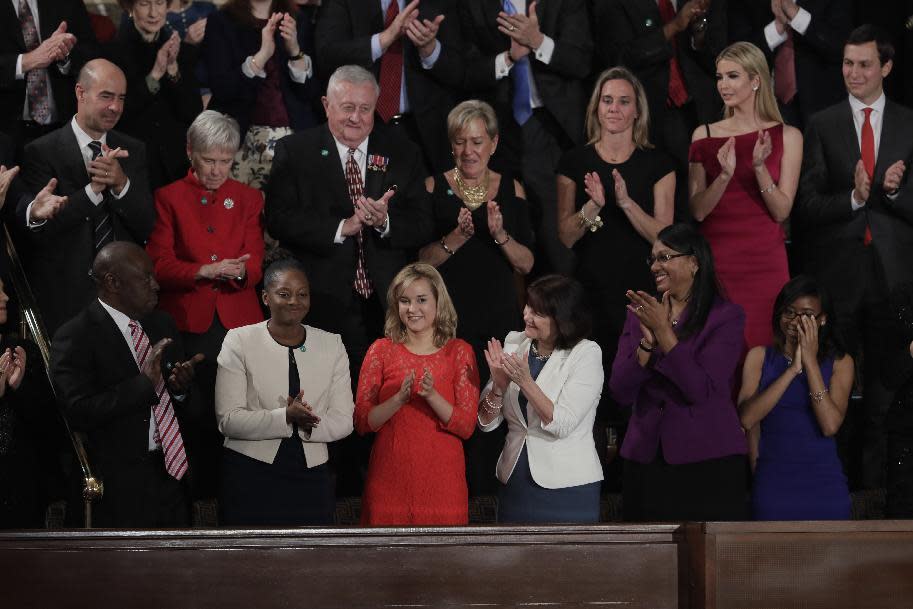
(562, 453)
(252, 386)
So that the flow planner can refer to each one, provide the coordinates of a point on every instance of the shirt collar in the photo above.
(121, 319)
(83, 138)
(362, 149)
(877, 105)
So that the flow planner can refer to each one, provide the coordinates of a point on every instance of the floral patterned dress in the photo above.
(416, 474)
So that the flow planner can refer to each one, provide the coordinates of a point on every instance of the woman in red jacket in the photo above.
(207, 247)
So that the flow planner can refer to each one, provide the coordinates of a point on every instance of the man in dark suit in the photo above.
(103, 175)
(119, 372)
(854, 220)
(803, 41)
(528, 60)
(413, 49)
(672, 49)
(348, 200)
(42, 47)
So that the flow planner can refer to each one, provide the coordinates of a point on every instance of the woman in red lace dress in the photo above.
(743, 175)
(418, 391)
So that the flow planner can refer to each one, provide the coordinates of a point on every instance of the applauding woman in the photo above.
(676, 367)
(743, 175)
(418, 391)
(282, 394)
(546, 382)
(797, 389)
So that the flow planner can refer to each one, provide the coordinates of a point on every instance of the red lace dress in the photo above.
(417, 474)
(747, 243)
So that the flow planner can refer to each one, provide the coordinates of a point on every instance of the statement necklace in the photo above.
(473, 196)
(535, 352)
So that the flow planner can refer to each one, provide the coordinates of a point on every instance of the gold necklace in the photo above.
(473, 196)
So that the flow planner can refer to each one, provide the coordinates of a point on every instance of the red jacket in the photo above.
(188, 234)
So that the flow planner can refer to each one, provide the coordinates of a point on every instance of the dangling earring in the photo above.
(754, 88)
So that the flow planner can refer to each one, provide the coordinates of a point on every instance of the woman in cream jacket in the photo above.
(546, 382)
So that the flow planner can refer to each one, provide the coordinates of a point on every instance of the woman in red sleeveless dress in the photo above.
(743, 175)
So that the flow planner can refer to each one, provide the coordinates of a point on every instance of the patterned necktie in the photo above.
(36, 81)
(678, 93)
(103, 230)
(785, 70)
(867, 147)
(520, 75)
(353, 178)
(391, 71)
(167, 429)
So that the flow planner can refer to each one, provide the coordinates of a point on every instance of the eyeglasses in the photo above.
(663, 258)
(791, 314)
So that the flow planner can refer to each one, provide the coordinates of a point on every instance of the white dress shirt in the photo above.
(361, 159)
(876, 119)
(543, 54)
(799, 24)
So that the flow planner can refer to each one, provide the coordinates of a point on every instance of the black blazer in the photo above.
(631, 34)
(159, 120)
(50, 14)
(307, 197)
(828, 230)
(819, 52)
(560, 83)
(344, 31)
(225, 47)
(104, 394)
(60, 253)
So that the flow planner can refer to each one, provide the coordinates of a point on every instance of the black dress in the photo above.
(613, 259)
(478, 276)
(483, 287)
(897, 374)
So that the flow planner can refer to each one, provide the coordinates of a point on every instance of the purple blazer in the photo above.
(683, 398)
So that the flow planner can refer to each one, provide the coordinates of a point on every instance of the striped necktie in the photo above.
(103, 229)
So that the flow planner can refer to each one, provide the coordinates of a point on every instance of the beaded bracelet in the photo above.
(506, 239)
(591, 225)
(644, 347)
(770, 188)
(446, 249)
(818, 396)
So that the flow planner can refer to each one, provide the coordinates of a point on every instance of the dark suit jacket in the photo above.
(560, 83)
(104, 394)
(14, 194)
(225, 47)
(307, 197)
(829, 231)
(631, 34)
(819, 52)
(62, 250)
(50, 14)
(344, 31)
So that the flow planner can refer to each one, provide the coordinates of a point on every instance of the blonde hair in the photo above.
(752, 60)
(641, 130)
(445, 319)
(468, 111)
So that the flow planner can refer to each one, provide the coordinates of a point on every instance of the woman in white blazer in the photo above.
(546, 382)
(282, 392)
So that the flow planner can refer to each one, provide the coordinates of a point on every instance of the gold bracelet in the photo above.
(591, 225)
(818, 396)
(506, 239)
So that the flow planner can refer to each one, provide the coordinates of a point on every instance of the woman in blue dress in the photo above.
(793, 400)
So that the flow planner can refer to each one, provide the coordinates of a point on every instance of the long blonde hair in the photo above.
(752, 60)
(641, 128)
(445, 319)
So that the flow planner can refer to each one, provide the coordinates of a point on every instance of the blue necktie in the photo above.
(520, 75)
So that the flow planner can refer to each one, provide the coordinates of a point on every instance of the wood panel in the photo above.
(633, 566)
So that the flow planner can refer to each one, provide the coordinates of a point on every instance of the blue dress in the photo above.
(798, 474)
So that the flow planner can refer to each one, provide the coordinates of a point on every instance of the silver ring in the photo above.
(512, 28)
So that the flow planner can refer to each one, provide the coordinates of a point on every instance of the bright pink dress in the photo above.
(747, 242)
(417, 472)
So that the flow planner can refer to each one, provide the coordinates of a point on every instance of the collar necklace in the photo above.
(535, 352)
(473, 196)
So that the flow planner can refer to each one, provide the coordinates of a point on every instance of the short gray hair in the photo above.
(468, 111)
(354, 75)
(213, 130)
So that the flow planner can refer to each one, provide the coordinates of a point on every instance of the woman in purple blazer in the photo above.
(676, 367)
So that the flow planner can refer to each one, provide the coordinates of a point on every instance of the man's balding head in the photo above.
(124, 275)
(100, 92)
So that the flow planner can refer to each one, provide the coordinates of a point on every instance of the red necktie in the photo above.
(353, 179)
(391, 71)
(167, 430)
(785, 70)
(868, 159)
(678, 94)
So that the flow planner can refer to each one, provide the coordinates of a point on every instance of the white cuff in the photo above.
(28, 218)
(856, 206)
(95, 197)
(773, 37)
(428, 62)
(122, 192)
(339, 238)
(298, 75)
(247, 68)
(19, 74)
(545, 50)
(501, 67)
(801, 21)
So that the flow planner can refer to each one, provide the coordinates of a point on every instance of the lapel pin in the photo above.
(204, 201)
(229, 203)
(324, 152)
(648, 22)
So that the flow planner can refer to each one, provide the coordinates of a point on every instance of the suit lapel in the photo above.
(74, 164)
(46, 18)
(118, 356)
(847, 133)
(889, 148)
(376, 15)
(375, 178)
(332, 167)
